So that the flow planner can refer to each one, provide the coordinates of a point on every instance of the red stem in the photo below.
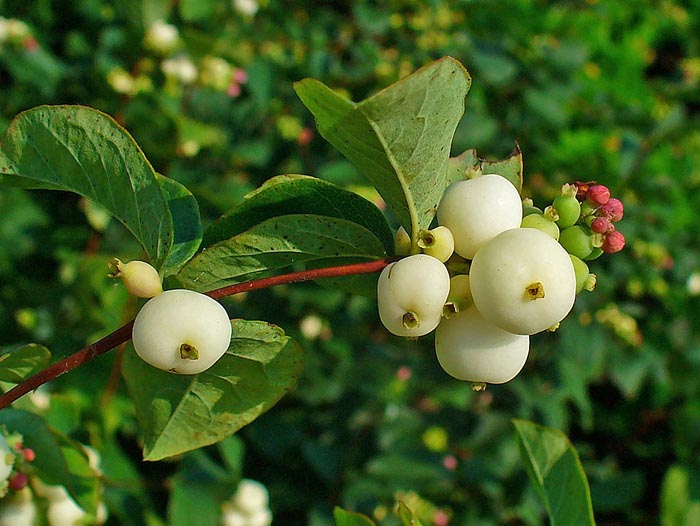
(123, 334)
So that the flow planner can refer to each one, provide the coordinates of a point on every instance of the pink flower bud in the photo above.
(18, 481)
(598, 194)
(234, 90)
(28, 454)
(305, 136)
(601, 225)
(614, 242)
(240, 76)
(613, 209)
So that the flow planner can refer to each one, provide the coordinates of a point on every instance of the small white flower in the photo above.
(693, 284)
(180, 68)
(161, 37)
(250, 496)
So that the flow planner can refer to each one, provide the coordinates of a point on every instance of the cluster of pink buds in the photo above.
(18, 480)
(600, 212)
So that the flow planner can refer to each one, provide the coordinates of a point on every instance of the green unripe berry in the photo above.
(402, 242)
(568, 209)
(595, 254)
(541, 222)
(584, 279)
(577, 240)
(437, 242)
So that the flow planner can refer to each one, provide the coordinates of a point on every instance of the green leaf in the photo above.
(85, 151)
(21, 361)
(278, 243)
(468, 165)
(555, 470)
(59, 460)
(187, 225)
(680, 501)
(399, 138)
(179, 413)
(351, 518)
(300, 194)
(408, 518)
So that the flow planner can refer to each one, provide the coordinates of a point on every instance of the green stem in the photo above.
(123, 334)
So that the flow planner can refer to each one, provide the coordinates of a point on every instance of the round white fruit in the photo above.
(250, 496)
(181, 331)
(523, 281)
(476, 210)
(470, 348)
(18, 509)
(411, 294)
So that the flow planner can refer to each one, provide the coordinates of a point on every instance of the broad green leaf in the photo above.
(399, 138)
(85, 151)
(408, 518)
(187, 225)
(19, 362)
(59, 460)
(300, 194)
(680, 502)
(556, 471)
(179, 413)
(468, 165)
(351, 518)
(278, 243)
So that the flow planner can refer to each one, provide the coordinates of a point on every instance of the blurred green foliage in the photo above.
(604, 90)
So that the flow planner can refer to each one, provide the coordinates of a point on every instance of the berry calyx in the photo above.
(468, 347)
(139, 278)
(523, 281)
(181, 331)
(437, 242)
(411, 293)
(476, 210)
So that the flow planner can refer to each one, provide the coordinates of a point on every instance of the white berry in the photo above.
(250, 496)
(476, 210)
(523, 281)
(181, 331)
(18, 509)
(411, 294)
(470, 348)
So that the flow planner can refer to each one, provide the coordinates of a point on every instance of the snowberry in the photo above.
(402, 242)
(18, 509)
(476, 210)
(523, 281)
(250, 496)
(139, 278)
(437, 242)
(181, 331)
(7, 460)
(567, 207)
(541, 222)
(471, 348)
(411, 293)
(577, 240)
(460, 296)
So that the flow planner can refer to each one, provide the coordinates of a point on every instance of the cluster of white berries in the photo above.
(248, 506)
(180, 331)
(508, 279)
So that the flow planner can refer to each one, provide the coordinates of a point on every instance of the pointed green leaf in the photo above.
(351, 518)
(179, 413)
(187, 225)
(59, 460)
(399, 138)
(408, 518)
(300, 194)
(277, 244)
(19, 362)
(82, 150)
(556, 471)
(468, 165)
